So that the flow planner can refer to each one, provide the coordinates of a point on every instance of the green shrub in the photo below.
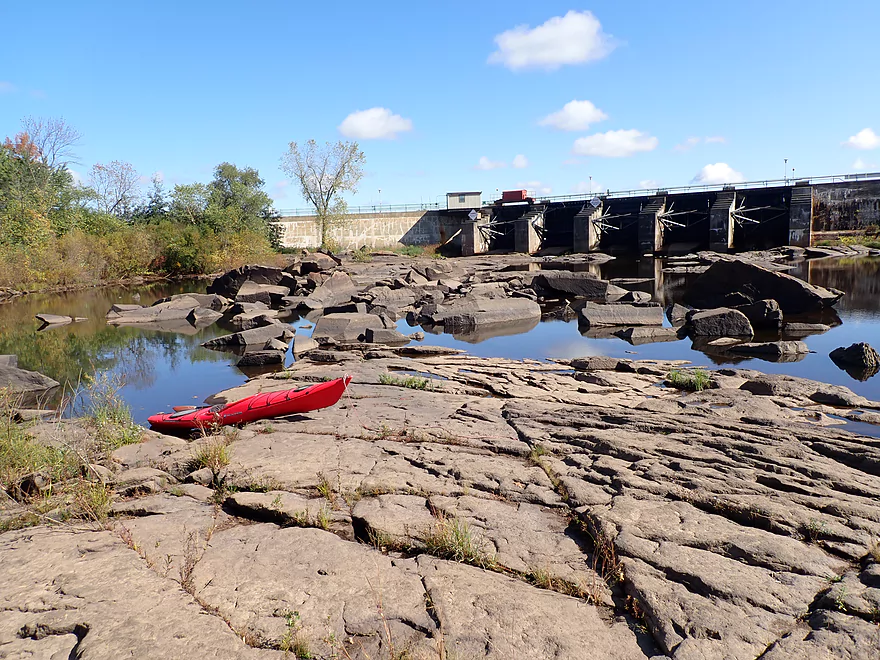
(691, 381)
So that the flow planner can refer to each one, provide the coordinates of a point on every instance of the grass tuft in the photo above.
(451, 538)
(411, 382)
(215, 454)
(690, 381)
(108, 413)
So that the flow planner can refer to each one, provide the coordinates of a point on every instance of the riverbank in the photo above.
(446, 497)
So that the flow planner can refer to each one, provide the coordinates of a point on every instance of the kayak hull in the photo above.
(253, 408)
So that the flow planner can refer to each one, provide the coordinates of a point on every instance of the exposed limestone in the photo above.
(497, 509)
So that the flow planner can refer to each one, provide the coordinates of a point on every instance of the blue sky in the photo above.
(677, 91)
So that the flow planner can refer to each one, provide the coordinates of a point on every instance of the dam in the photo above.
(723, 218)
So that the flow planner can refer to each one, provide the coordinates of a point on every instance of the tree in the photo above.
(156, 206)
(189, 203)
(54, 140)
(323, 173)
(237, 201)
(116, 187)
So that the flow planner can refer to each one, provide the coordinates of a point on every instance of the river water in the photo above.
(163, 369)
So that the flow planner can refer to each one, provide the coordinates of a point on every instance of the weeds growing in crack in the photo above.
(814, 530)
(452, 538)
(321, 520)
(193, 551)
(294, 641)
(325, 489)
(215, 454)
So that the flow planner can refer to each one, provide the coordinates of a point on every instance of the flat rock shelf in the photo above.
(486, 508)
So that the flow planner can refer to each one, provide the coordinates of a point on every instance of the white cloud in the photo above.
(7, 87)
(574, 116)
(76, 176)
(374, 124)
(535, 186)
(692, 142)
(718, 173)
(615, 144)
(864, 139)
(520, 161)
(486, 164)
(648, 183)
(574, 38)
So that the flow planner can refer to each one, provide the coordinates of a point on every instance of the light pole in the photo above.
(591, 185)
(785, 171)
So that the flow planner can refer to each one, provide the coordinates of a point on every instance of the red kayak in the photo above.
(252, 408)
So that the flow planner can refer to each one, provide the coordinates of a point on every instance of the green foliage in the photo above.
(411, 382)
(451, 538)
(109, 414)
(361, 255)
(691, 381)
(55, 232)
(21, 455)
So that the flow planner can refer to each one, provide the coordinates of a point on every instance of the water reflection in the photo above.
(167, 366)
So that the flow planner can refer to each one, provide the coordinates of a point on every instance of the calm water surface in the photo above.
(166, 368)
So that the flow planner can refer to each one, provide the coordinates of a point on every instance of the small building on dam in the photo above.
(739, 217)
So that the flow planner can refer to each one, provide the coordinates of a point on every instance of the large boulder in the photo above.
(627, 314)
(860, 360)
(466, 313)
(255, 319)
(252, 292)
(762, 314)
(857, 355)
(335, 290)
(252, 337)
(316, 262)
(388, 336)
(30, 386)
(383, 296)
(735, 282)
(647, 335)
(54, 319)
(774, 351)
(345, 327)
(576, 284)
(208, 300)
(229, 283)
(261, 358)
(175, 309)
(721, 322)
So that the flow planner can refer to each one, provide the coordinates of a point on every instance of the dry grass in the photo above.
(453, 539)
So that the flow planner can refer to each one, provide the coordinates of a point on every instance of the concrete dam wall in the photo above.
(724, 218)
(373, 230)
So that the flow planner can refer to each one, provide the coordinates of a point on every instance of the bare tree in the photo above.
(323, 173)
(116, 187)
(54, 138)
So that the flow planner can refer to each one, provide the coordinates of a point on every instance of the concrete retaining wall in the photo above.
(372, 230)
(846, 206)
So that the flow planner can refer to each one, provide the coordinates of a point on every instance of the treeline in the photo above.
(57, 231)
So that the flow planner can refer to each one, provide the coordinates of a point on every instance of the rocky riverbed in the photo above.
(456, 507)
